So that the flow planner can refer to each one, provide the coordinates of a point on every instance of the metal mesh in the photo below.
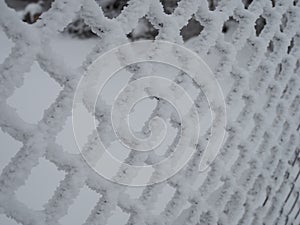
(255, 178)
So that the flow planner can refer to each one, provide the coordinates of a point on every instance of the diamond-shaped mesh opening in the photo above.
(284, 20)
(295, 212)
(66, 138)
(169, 5)
(19, 5)
(192, 29)
(212, 4)
(42, 182)
(295, 167)
(259, 25)
(247, 3)
(140, 113)
(270, 48)
(229, 27)
(73, 50)
(278, 71)
(144, 30)
(284, 91)
(36, 94)
(118, 217)
(6, 46)
(112, 8)
(267, 194)
(291, 202)
(30, 10)
(297, 177)
(79, 211)
(297, 66)
(9, 148)
(298, 128)
(78, 28)
(273, 3)
(291, 46)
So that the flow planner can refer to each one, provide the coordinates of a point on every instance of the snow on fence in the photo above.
(255, 178)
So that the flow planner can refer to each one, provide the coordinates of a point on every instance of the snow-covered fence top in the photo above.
(253, 48)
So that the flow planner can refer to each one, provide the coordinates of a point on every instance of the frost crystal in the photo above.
(253, 48)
